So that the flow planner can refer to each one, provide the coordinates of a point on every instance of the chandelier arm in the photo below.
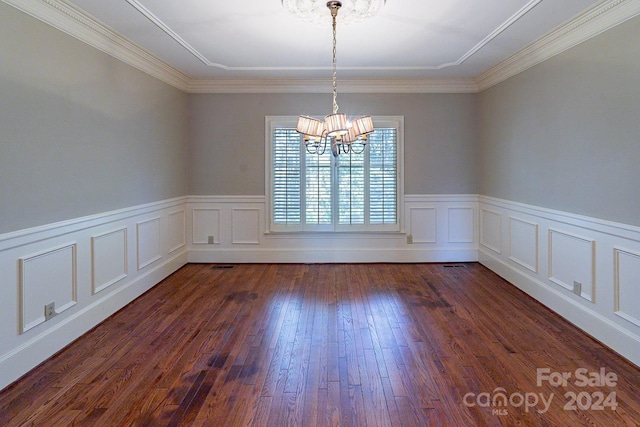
(324, 146)
(358, 152)
(316, 150)
(344, 147)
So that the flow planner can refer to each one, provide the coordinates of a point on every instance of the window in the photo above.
(353, 192)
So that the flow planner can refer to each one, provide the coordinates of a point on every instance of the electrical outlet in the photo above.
(577, 288)
(210, 240)
(409, 239)
(49, 310)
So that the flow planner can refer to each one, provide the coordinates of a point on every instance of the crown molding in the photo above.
(324, 86)
(592, 22)
(76, 23)
(67, 18)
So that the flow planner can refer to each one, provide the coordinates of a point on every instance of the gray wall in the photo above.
(81, 132)
(227, 137)
(566, 133)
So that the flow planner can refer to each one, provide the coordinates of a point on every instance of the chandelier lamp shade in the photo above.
(336, 130)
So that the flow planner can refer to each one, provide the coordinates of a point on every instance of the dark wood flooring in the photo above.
(320, 345)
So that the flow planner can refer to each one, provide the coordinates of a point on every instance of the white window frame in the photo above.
(273, 122)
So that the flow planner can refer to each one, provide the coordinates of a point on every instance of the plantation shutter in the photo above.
(287, 177)
(383, 181)
(351, 188)
(318, 185)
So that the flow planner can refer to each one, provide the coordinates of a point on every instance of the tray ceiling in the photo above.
(260, 39)
(257, 46)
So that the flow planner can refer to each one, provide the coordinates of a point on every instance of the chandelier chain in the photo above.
(335, 67)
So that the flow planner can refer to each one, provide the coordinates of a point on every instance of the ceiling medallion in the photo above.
(351, 12)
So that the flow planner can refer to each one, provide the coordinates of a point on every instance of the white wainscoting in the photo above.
(47, 277)
(461, 224)
(82, 266)
(109, 261)
(523, 243)
(572, 260)
(423, 222)
(627, 285)
(177, 230)
(148, 242)
(491, 230)
(93, 266)
(436, 228)
(550, 250)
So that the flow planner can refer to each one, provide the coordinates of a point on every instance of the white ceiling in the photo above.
(408, 39)
(256, 46)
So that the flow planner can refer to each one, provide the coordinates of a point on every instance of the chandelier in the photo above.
(342, 135)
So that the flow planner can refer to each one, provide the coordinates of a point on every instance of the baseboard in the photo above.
(333, 256)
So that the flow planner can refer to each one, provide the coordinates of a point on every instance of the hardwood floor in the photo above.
(349, 345)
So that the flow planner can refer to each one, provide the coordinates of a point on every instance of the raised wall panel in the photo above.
(461, 225)
(177, 230)
(206, 222)
(491, 230)
(148, 242)
(47, 277)
(108, 259)
(572, 259)
(245, 224)
(627, 285)
(523, 243)
(423, 225)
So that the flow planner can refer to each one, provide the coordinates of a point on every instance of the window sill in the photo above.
(337, 234)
